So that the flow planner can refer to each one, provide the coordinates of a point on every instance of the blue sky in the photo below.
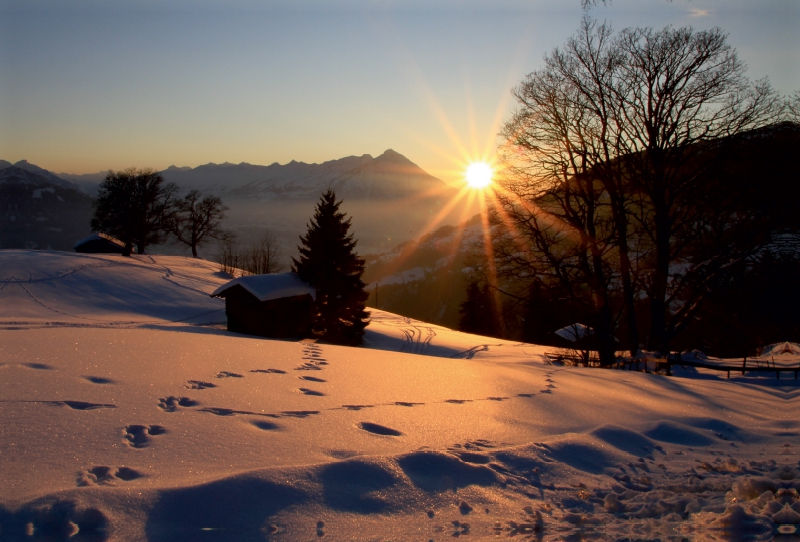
(89, 85)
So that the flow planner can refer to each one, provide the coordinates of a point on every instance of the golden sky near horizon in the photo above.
(90, 86)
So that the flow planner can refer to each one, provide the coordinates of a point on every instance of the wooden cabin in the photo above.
(100, 243)
(277, 305)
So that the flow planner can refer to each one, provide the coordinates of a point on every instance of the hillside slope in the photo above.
(126, 413)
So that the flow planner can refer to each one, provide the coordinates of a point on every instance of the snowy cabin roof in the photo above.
(575, 332)
(100, 237)
(269, 287)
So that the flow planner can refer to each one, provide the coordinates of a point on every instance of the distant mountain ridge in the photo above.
(389, 197)
(389, 175)
(40, 210)
(23, 170)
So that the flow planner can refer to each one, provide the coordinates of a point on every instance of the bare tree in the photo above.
(609, 152)
(262, 256)
(196, 220)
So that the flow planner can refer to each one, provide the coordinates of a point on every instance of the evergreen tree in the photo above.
(478, 313)
(329, 264)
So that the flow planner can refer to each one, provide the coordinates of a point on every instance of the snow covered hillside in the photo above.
(128, 412)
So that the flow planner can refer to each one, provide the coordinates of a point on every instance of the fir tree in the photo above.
(477, 313)
(329, 264)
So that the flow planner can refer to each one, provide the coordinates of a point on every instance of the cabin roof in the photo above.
(270, 286)
(100, 237)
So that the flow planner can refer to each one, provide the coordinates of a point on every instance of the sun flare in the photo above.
(479, 175)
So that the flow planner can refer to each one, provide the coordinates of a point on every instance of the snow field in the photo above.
(127, 412)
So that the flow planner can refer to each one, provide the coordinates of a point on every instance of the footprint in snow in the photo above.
(405, 404)
(228, 374)
(217, 411)
(378, 429)
(171, 403)
(306, 391)
(356, 407)
(268, 371)
(199, 385)
(77, 405)
(103, 475)
(99, 380)
(458, 401)
(138, 436)
(308, 367)
(265, 425)
(39, 366)
(311, 378)
(299, 413)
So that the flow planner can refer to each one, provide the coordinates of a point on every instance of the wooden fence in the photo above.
(757, 365)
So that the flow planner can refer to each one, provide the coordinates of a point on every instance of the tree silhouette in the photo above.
(328, 263)
(134, 206)
(478, 313)
(196, 220)
(607, 159)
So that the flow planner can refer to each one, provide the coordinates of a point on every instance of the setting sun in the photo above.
(479, 175)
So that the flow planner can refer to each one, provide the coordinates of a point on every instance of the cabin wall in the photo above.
(278, 318)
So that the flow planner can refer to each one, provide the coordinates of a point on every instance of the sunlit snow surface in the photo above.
(128, 413)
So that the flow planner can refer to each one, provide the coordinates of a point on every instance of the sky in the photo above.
(92, 85)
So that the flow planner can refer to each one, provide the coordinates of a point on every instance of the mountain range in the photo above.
(40, 210)
(390, 175)
(390, 198)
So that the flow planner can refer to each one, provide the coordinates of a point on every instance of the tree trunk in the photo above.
(658, 340)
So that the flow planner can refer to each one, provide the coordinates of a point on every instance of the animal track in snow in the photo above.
(356, 407)
(308, 367)
(406, 404)
(76, 405)
(230, 412)
(525, 395)
(269, 371)
(102, 475)
(306, 391)
(311, 378)
(312, 357)
(265, 425)
(171, 403)
(458, 401)
(497, 398)
(39, 366)
(472, 445)
(138, 436)
(199, 385)
(299, 413)
(228, 374)
(99, 380)
(378, 429)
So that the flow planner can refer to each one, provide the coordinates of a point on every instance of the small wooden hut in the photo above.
(100, 243)
(277, 305)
